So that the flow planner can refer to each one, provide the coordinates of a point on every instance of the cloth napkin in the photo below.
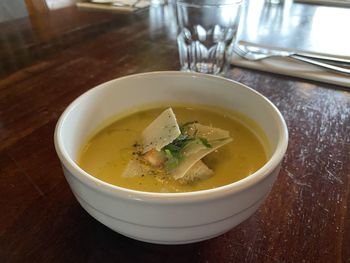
(291, 67)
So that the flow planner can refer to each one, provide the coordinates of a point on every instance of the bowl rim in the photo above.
(183, 197)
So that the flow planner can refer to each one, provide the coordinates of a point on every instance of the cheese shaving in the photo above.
(161, 132)
(199, 171)
(195, 151)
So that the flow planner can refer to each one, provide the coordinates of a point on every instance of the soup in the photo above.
(107, 154)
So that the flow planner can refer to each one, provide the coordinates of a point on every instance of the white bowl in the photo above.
(168, 218)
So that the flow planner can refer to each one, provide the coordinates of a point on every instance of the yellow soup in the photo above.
(108, 152)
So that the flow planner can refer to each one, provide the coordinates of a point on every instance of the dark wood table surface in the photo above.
(48, 60)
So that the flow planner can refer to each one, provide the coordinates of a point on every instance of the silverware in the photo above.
(256, 54)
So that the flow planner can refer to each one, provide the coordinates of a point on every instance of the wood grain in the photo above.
(48, 63)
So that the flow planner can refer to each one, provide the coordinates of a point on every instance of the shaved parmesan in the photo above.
(190, 160)
(208, 132)
(185, 152)
(162, 131)
(195, 151)
(135, 169)
(213, 135)
(199, 171)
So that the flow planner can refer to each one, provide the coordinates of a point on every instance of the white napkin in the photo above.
(291, 67)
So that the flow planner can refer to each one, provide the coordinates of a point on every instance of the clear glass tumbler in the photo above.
(207, 33)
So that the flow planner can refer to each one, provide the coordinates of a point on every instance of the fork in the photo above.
(256, 55)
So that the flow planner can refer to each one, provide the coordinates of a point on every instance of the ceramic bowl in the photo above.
(168, 218)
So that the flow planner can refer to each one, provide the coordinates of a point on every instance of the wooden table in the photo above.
(49, 60)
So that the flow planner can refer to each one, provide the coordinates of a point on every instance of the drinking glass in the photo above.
(207, 34)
